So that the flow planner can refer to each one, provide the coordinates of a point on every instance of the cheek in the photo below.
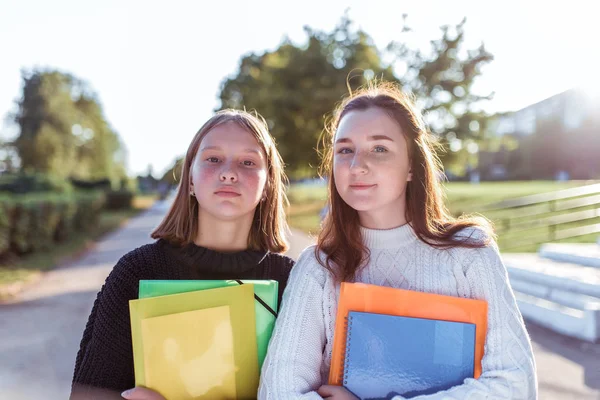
(340, 167)
(340, 175)
(204, 174)
(392, 166)
(254, 180)
(393, 172)
(384, 160)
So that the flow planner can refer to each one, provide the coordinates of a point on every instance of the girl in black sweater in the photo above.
(227, 222)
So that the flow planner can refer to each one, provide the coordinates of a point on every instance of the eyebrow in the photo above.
(373, 138)
(254, 151)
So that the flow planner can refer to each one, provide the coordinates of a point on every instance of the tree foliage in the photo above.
(295, 87)
(63, 131)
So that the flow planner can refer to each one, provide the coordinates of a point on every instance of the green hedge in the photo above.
(24, 183)
(34, 222)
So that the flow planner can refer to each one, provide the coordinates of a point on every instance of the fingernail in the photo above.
(126, 393)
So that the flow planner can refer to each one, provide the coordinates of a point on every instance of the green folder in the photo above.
(265, 294)
(242, 318)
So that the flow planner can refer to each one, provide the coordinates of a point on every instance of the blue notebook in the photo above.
(388, 355)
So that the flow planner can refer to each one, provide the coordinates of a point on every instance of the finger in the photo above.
(141, 393)
(327, 391)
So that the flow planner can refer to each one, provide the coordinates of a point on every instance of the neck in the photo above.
(388, 238)
(387, 217)
(225, 236)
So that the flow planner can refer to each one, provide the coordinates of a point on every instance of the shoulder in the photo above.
(143, 258)
(309, 263)
(310, 256)
(281, 264)
(484, 259)
(157, 248)
(140, 263)
(280, 260)
(475, 235)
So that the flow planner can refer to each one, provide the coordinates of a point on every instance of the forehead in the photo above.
(230, 135)
(369, 122)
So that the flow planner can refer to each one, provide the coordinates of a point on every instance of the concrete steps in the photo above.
(559, 287)
(577, 253)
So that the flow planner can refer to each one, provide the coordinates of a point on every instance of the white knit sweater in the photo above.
(299, 355)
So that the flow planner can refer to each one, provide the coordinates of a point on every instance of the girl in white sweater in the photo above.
(387, 225)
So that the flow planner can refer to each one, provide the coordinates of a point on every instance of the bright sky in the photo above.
(157, 66)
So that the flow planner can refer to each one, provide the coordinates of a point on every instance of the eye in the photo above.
(212, 159)
(249, 163)
(345, 150)
(380, 149)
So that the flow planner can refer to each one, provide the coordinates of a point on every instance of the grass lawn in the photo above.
(14, 273)
(307, 200)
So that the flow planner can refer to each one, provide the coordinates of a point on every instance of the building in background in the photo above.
(556, 138)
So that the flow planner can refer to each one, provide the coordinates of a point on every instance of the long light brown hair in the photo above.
(340, 237)
(269, 226)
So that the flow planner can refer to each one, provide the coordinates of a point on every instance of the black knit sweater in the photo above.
(105, 357)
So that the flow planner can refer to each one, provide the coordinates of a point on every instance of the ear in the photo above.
(409, 178)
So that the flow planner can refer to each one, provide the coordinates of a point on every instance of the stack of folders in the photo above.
(202, 339)
(391, 342)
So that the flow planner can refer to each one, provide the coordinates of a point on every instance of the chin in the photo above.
(362, 205)
(227, 215)
(231, 214)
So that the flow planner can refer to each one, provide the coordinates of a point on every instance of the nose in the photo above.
(228, 174)
(358, 166)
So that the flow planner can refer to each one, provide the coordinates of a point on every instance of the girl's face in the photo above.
(371, 167)
(229, 173)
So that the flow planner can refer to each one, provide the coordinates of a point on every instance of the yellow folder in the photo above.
(179, 347)
(199, 313)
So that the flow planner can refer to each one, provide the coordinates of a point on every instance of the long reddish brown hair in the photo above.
(340, 237)
(269, 227)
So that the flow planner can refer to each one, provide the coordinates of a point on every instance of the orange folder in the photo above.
(385, 300)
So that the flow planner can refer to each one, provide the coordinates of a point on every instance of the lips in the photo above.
(361, 186)
(227, 192)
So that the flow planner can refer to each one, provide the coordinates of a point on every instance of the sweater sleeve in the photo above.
(292, 367)
(508, 366)
(105, 356)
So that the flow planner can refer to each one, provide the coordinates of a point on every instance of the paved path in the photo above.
(40, 330)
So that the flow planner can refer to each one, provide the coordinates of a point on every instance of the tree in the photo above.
(443, 83)
(45, 115)
(98, 144)
(295, 87)
(62, 129)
